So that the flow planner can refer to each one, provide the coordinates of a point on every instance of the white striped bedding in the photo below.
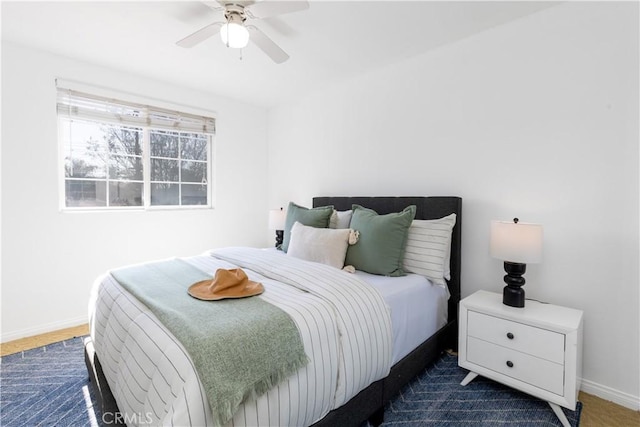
(362, 316)
(152, 376)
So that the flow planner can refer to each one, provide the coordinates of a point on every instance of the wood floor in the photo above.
(596, 412)
(16, 346)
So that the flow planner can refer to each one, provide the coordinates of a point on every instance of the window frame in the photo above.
(146, 156)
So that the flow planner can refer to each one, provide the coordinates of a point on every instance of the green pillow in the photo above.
(316, 217)
(383, 238)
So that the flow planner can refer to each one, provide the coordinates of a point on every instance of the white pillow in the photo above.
(322, 245)
(428, 251)
(340, 219)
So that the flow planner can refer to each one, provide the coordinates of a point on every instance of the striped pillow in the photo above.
(429, 248)
(340, 219)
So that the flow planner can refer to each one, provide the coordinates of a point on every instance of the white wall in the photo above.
(536, 119)
(51, 258)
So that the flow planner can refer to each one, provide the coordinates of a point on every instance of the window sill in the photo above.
(135, 209)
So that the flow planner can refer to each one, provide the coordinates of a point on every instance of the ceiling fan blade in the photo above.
(213, 5)
(224, 3)
(266, 9)
(201, 35)
(267, 45)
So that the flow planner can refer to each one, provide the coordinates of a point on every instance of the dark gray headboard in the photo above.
(426, 208)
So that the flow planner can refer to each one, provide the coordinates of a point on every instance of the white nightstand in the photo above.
(536, 349)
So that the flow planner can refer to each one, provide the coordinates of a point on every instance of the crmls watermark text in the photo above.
(120, 418)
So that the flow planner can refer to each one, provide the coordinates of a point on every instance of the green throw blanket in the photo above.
(240, 348)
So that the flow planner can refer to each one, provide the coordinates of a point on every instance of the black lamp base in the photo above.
(279, 238)
(513, 294)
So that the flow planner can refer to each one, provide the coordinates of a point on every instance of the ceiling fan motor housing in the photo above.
(235, 14)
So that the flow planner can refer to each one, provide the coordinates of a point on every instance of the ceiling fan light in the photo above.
(234, 35)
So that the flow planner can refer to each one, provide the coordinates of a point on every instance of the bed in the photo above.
(328, 399)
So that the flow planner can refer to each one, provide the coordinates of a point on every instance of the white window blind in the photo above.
(74, 104)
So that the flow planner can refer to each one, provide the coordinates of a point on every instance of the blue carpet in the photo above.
(49, 386)
(436, 398)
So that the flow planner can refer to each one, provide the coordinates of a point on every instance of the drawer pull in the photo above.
(510, 363)
(509, 335)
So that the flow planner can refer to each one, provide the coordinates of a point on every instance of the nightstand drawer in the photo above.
(517, 336)
(523, 367)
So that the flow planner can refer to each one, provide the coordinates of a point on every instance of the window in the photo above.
(122, 155)
(178, 168)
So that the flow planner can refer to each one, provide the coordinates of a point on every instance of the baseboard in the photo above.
(43, 329)
(607, 393)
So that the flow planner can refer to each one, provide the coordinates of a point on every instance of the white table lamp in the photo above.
(517, 244)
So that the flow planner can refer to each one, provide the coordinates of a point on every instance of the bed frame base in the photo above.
(108, 406)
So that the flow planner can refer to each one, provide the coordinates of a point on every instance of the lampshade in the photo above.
(277, 218)
(516, 242)
(234, 34)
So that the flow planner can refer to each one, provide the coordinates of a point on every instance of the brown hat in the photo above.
(226, 284)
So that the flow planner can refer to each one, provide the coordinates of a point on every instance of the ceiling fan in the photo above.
(235, 32)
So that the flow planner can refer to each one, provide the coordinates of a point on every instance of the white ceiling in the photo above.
(330, 41)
